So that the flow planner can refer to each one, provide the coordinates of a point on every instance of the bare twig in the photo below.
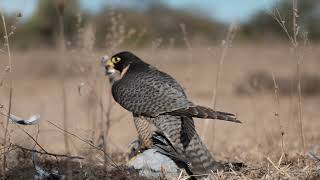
(85, 141)
(185, 39)
(10, 92)
(62, 48)
(279, 169)
(280, 20)
(29, 135)
(226, 44)
(189, 47)
(277, 114)
(6, 37)
(118, 33)
(103, 134)
(106, 128)
(299, 56)
(48, 153)
(33, 139)
(3, 51)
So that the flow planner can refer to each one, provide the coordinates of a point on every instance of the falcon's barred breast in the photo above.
(156, 98)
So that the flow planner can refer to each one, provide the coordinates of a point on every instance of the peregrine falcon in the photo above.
(156, 99)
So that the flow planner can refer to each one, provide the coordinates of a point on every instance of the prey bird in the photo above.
(156, 99)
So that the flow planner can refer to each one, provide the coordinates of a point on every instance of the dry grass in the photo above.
(255, 142)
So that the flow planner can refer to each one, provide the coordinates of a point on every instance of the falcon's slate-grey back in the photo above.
(155, 98)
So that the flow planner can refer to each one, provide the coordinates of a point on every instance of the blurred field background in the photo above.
(58, 75)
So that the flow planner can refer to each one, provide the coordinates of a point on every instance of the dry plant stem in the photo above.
(294, 18)
(31, 137)
(62, 49)
(85, 141)
(226, 44)
(16, 146)
(48, 153)
(7, 42)
(9, 144)
(300, 107)
(277, 114)
(188, 45)
(105, 126)
(280, 170)
(10, 92)
(108, 116)
(2, 51)
(103, 135)
(298, 57)
(65, 118)
(64, 93)
(108, 119)
(6, 133)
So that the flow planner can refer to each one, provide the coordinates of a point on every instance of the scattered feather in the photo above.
(34, 119)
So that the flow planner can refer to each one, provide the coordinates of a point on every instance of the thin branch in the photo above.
(281, 21)
(277, 114)
(48, 153)
(8, 146)
(10, 92)
(83, 140)
(280, 170)
(226, 44)
(7, 42)
(299, 56)
(33, 139)
(6, 131)
(294, 21)
(3, 51)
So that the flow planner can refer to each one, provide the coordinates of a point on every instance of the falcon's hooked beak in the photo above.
(108, 66)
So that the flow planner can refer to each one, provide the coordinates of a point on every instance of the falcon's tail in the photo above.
(204, 112)
(181, 133)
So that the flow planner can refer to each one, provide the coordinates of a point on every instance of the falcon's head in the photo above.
(119, 62)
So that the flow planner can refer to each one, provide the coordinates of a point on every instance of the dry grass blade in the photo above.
(226, 44)
(180, 175)
(6, 37)
(298, 55)
(3, 51)
(277, 114)
(85, 141)
(279, 169)
(299, 58)
(48, 153)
